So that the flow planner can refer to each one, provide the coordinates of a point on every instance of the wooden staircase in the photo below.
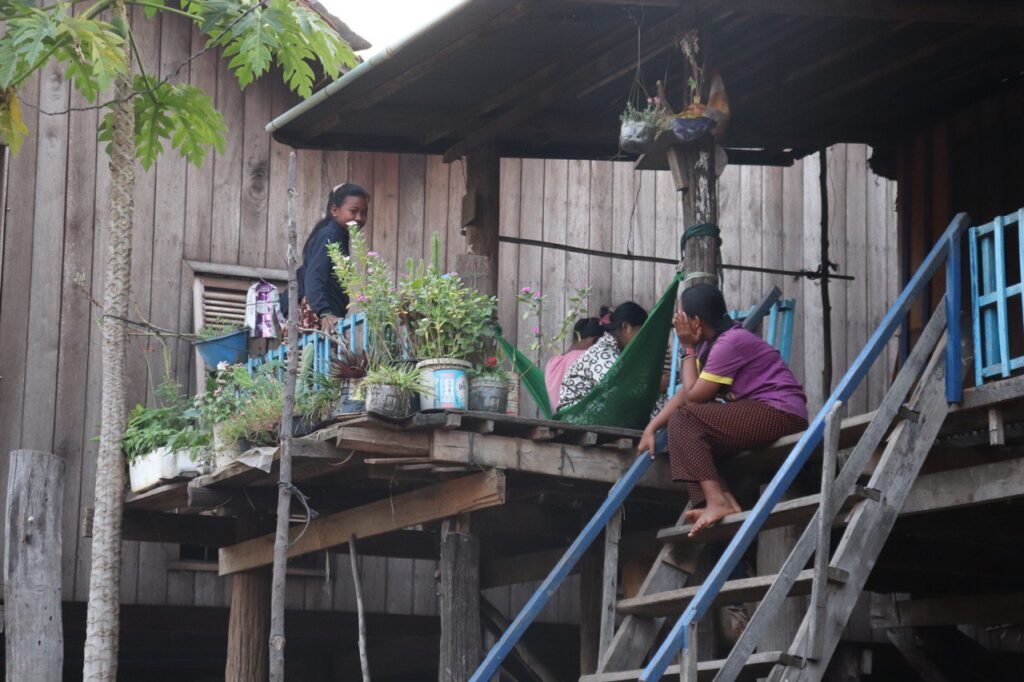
(906, 425)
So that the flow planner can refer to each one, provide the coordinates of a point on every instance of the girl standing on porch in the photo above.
(736, 394)
(322, 301)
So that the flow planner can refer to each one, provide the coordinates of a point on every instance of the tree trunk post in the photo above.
(480, 219)
(249, 621)
(284, 492)
(695, 165)
(34, 633)
(102, 622)
(459, 605)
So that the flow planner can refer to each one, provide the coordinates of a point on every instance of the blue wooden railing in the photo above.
(351, 334)
(991, 293)
(948, 245)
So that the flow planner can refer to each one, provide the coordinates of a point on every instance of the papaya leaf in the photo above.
(12, 126)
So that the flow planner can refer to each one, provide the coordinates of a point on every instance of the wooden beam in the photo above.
(965, 487)
(459, 606)
(432, 503)
(937, 11)
(984, 609)
(185, 529)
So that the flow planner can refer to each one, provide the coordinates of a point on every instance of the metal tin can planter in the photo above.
(387, 401)
(488, 395)
(348, 403)
(445, 383)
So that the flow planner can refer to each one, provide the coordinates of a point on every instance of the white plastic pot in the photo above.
(445, 384)
(159, 467)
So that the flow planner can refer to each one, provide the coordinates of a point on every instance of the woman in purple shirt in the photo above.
(736, 394)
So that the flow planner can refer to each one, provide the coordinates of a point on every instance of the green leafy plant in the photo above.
(531, 302)
(218, 327)
(170, 424)
(490, 368)
(318, 397)
(259, 398)
(653, 114)
(93, 48)
(446, 317)
(404, 377)
(370, 285)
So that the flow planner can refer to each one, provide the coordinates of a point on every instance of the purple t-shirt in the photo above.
(753, 370)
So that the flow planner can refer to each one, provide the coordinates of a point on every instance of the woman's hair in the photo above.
(587, 328)
(337, 197)
(627, 312)
(706, 302)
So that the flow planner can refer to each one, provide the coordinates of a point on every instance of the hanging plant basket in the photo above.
(636, 137)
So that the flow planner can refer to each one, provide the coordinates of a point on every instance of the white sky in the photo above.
(385, 22)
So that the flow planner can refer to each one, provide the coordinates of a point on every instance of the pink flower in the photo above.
(536, 330)
(526, 290)
(372, 254)
(536, 294)
(360, 298)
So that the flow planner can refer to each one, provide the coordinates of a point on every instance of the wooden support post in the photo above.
(694, 167)
(249, 621)
(996, 427)
(826, 301)
(688, 659)
(828, 504)
(33, 632)
(364, 661)
(590, 613)
(459, 606)
(480, 219)
(610, 582)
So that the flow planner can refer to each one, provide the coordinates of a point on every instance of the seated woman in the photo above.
(322, 301)
(736, 394)
(585, 333)
(595, 362)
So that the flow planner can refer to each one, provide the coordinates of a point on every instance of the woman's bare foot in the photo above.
(720, 504)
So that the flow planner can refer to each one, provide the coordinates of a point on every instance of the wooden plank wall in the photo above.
(770, 217)
(232, 210)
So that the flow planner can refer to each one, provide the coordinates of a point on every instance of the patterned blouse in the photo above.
(588, 370)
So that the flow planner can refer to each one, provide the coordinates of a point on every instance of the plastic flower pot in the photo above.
(224, 453)
(387, 401)
(487, 394)
(636, 137)
(231, 348)
(161, 466)
(445, 384)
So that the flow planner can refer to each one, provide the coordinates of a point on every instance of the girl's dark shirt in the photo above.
(316, 275)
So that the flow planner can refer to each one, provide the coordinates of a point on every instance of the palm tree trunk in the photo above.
(101, 634)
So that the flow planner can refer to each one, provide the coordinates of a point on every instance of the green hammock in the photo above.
(627, 393)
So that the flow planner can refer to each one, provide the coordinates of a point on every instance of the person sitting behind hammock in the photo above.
(736, 394)
(584, 374)
(585, 334)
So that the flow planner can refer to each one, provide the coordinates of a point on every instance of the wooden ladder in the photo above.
(907, 422)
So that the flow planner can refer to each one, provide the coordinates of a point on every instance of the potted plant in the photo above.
(212, 408)
(349, 369)
(256, 418)
(387, 389)
(448, 322)
(315, 401)
(639, 126)
(488, 387)
(162, 443)
(222, 341)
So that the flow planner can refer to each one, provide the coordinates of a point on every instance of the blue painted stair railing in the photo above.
(946, 249)
(351, 334)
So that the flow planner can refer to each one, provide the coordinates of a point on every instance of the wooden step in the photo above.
(787, 513)
(758, 666)
(732, 592)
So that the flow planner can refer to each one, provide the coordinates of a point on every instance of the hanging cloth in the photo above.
(263, 314)
(625, 395)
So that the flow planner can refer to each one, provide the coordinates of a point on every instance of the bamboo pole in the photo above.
(826, 300)
(284, 492)
(364, 661)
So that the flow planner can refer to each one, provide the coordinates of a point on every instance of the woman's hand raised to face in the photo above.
(684, 328)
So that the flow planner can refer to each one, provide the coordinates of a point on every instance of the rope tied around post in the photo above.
(704, 230)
